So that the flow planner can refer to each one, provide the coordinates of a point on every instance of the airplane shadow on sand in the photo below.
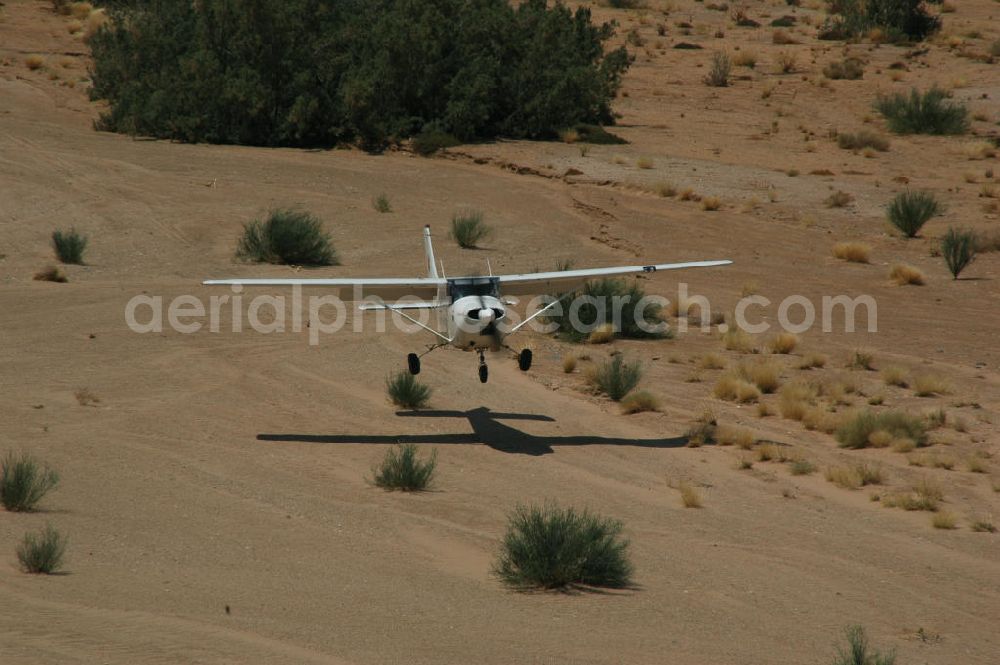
(486, 429)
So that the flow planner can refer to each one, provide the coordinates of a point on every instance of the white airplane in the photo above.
(472, 310)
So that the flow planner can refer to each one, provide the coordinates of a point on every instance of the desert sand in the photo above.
(217, 494)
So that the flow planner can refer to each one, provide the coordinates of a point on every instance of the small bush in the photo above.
(861, 359)
(813, 361)
(927, 113)
(597, 308)
(34, 61)
(550, 547)
(838, 199)
(401, 469)
(468, 229)
(859, 653)
(616, 378)
(23, 482)
(51, 274)
(856, 431)
(909, 211)
(861, 140)
(850, 69)
(959, 250)
(69, 246)
(404, 390)
(787, 62)
(703, 431)
(289, 237)
(639, 402)
(381, 203)
(430, 141)
(802, 467)
(711, 203)
(983, 526)
(904, 275)
(853, 252)
(42, 553)
(854, 476)
(718, 75)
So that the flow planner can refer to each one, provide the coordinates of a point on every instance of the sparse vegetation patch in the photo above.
(287, 236)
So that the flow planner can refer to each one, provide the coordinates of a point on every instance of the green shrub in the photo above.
(594, 306)
(718, 75)
(959, 250)
(381, 203)
(429, 141)
(856, 430)
(287, 236)
(404, 390)
(927, 113)
(909, 211)
(861, 140)
(899, 20)
(401, 469)
(859, 653)
(551, 547)
(616, 378)
(42, 552)
(468, 228)
(23, 482)
(69, 246)
(850, 69)
(320, 73)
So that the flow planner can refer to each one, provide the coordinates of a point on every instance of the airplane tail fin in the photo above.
(432, 271)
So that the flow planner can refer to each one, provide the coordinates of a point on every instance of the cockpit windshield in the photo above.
(473, 286)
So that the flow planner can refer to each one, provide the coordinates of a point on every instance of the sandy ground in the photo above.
(222, 470)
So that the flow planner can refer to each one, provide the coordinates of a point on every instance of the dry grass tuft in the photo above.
(839, 199)
(783, 343)
(727, 435)
(640, 402)
(802, 467)
(734, 389)
(929, 385)
(51, 274)
(977, 465)
(861, 359)
(712, 361)
(929, 461)
(34, 61)
(644, 163)
(813, 361)
(666, 189)
(854, 476)
(944, 520)
(765, 374)
(894, 375)
(735, 339)
(602, 334)
(925, 495)
(569, 363)
(710, 203)
(904, 274)
(853, 252)
(690, 497)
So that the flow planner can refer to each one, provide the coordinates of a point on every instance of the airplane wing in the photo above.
(349, 289)
(561, 281)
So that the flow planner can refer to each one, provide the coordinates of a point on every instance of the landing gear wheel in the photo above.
(484, 373)
(413, 363)
(524, 360)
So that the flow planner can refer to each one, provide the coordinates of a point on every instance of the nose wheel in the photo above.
(413, 363)
(484, 371)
